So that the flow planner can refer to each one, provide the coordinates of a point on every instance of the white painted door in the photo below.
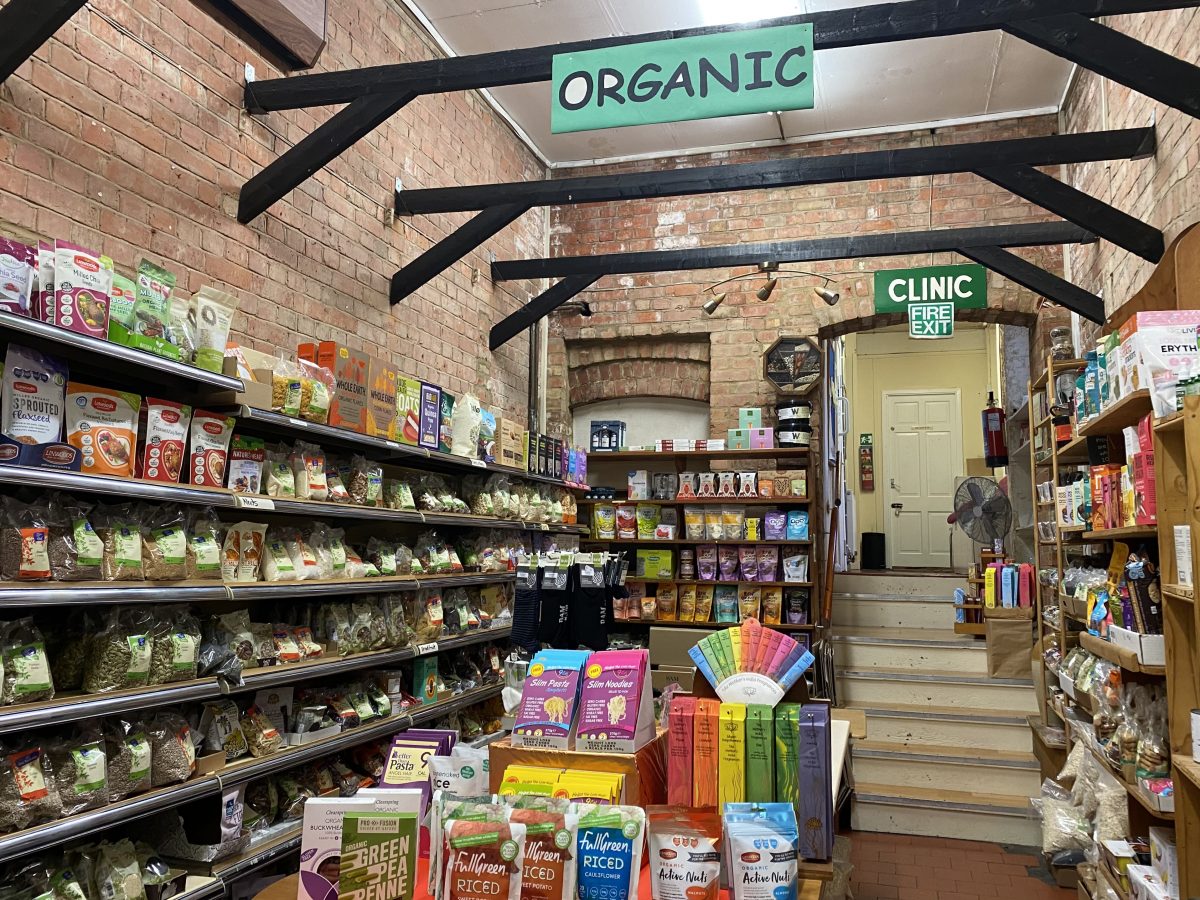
(922, 433)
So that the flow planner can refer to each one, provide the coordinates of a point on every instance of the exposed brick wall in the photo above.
(1165, 190)
(668, 304)
(125, 133)
(604, 370)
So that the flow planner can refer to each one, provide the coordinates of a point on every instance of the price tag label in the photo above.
(299, 423)
(545, 527)
(245, 501)
(427, 649)
(479, 463)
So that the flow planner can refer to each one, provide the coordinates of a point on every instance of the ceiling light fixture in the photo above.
(825, 292)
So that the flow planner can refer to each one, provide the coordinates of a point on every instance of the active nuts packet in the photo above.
(685, 853)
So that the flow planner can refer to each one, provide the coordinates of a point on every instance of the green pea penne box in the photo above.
(379, 856)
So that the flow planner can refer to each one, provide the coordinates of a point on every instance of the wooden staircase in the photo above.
(948, 751)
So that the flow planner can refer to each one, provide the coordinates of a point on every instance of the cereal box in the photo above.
(615, 707)
(350, 373)
(546, 715)
(381, 398)
(408, 411)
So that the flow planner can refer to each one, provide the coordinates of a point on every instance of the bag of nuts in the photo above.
(80, 770)
(164, 544)
(172, 748)
(69, 650)
(176, 652)
(119, 527)
(262, 737)
(27, 676)
(76, 551)
(120, 654)
(128, 756)
(203, 544)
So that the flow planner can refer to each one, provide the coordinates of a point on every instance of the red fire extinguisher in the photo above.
(995, 448)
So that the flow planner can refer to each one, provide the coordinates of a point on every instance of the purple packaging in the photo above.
(774, 525)
(431, 416)
(546, 716)
(816, 782)
(82, 282)
(613, 705)
(18, 271)
(581, 467)
(768, 563)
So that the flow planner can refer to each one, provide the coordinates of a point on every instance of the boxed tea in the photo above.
(408, 411)
(546, 716)
(321, 844)
(379, 856)
(616, 712)
(731, 754)
(381, 398)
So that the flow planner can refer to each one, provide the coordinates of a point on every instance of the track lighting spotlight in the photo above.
(711, 306)
(764, 293)
(585, 309)
(830, 297)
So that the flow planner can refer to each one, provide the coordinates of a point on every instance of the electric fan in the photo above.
(981, 510)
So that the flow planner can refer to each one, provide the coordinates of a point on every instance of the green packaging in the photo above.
(787, 754)
(379, 856)
(760, 754)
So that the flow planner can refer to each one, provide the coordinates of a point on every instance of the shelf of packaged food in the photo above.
(1120, 656)
(73, 707)
(1132, 790)
(635, 542)
(1184, 592)
(51, 834)
(271, 424)
(243, 770)
(704, 501)
(1120, 534)
(1127, 411)
(96, 353)
(52, 593)
(1074, 451)
(777, 453)
(289, 673)
(682, 581)
(655, 623)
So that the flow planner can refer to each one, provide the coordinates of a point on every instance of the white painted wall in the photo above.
(647, 419)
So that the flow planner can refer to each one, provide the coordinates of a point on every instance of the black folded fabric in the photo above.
(527, 613)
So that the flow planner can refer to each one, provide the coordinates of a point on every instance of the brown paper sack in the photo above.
(1008, 644)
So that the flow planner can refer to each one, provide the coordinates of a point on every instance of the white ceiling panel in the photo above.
(876, 87)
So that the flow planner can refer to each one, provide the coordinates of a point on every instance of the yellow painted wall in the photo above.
(879, 361)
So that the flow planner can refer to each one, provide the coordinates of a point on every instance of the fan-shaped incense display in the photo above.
(751, 664)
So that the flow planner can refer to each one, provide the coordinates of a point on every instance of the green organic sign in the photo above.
(965, 286)
(704, 77)
(930, 320)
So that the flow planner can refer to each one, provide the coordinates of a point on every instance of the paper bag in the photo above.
(1008, 644)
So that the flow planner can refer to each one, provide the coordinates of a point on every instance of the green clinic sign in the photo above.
(704, 77)
(964, 286)
(930, 320)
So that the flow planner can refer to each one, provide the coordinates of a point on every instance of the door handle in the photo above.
(896, 507)
(892, 481)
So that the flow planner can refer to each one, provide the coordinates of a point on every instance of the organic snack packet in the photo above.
(685, 853)
(751, 829)
(609, 850)
(482, 860)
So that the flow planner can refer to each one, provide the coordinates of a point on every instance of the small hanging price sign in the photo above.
(245, 501)
(427, 649)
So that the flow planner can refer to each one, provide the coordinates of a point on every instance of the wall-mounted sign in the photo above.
(931, 320)
(866, 462)
(703, 77)
(965, 286)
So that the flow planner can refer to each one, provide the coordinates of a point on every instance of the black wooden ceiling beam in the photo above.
(26, 25)
(341, 130)
(798, 171)
(1114, 55)
(882, 23)
(1038, 280)
(452, 248)
(857, 246)
(538, 308)
(1075, 206)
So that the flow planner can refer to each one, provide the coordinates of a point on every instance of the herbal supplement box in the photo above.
(321, 844)
(379, 856)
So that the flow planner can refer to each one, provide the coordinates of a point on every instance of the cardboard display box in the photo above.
(645, 771)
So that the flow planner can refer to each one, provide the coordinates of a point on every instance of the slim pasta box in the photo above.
(616, 711)
(816, 782)
(545, 718)
(379, 856)
(680, 726)
(760, 753)
(731, 754)
(705, 762)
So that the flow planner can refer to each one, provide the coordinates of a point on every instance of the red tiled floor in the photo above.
(902, 867)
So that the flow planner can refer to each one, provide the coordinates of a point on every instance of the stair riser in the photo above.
(860, 656)
(880, 692)
(939, 732)
(896, 585)
(970, 826)
(883, 613)
(902, 773)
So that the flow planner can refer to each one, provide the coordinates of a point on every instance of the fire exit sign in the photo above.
(931, 320)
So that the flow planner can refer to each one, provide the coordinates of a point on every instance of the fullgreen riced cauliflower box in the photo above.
(379, 856)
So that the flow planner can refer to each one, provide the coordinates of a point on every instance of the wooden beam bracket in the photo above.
(1038, 280)
(537, 309)
(27, 24)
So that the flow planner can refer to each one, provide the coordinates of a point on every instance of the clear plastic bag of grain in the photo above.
(175, 655)
(33, 775)
(13, 812)
(80, 764)
(172, 749)
(262, 737)
(119, 655)
(118, 875)
(204, 533)
(164, 544)
(27, 677)
(76, 551)
(120, 530)
(24, 541)
(128, 756)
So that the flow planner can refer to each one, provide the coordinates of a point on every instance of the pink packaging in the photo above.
(762, 438)
(18, 269)
(679, 750)
(549, 700)
(615, 712)
(82, 281)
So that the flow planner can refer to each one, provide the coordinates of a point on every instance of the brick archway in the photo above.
(672, 366)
